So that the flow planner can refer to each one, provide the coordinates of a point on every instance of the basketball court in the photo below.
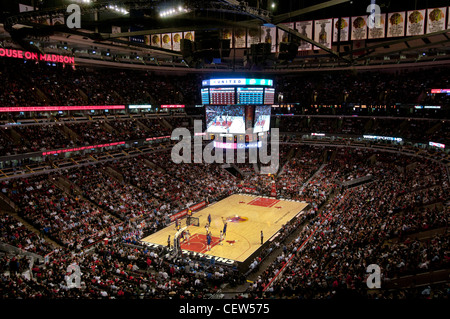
(245, 215)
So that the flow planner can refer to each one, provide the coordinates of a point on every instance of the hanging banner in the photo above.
(283, 36)
(415, 24)
(176, 41)
(343, 26)
(448, 18)
(378, 31)
(239, 38)
(156, 40)
(359, 28)
(26, 8)
(166, 39)
(323, 32)
(396, 24)
(115, 29)
(227, 34)
(189, 35)
(305, 28)
(253, 36)
(269, 35)
(436, 19)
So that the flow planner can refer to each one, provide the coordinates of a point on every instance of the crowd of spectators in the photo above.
(40, 137)
(16, 234)
(413, 130)
(45, 84)
(342, 232)
(68, 219)
(351, 233)
(358, 223)
(20, 139)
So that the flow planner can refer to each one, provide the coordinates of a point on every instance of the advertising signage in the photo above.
(19, 54)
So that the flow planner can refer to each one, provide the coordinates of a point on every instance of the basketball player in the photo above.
(182, 236)
(207, 228)
(177, 224)
(209, 219)
(224, 227)
(221, 238)
(208, 241)
(187, 236)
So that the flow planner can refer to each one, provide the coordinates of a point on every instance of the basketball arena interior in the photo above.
(224, 150)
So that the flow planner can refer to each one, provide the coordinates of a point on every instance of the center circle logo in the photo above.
(236, 219)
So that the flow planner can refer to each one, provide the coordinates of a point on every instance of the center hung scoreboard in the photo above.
(238, 91)
(236, 106)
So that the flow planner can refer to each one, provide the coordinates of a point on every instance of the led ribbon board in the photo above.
(60, 108)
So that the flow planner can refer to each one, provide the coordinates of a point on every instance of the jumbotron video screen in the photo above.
(225, 119)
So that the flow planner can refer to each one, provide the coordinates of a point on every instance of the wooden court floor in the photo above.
(246, 216)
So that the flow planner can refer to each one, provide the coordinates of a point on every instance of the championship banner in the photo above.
(323, 32)
(239, 37)
(396, 24)
(378, 31)
(166, 41)
(436, 19)
(226, 34)
(359, 28)
(156, 40)
(189, 35)
(344, 27)
(305, 28)
(176, 41)
(253, 36)
(269, 35)
(415, 23)
(448, 18)
(115, 29)
(283, 36)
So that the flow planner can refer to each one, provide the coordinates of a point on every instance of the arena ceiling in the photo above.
(95, 42)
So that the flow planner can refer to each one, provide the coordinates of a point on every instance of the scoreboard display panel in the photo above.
(222, 96)
(205, 96)
(237, 91)
(269, 96)
(250, 96)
